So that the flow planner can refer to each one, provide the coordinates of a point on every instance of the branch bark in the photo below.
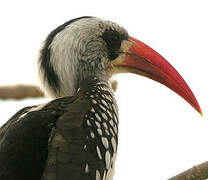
(199, 172)
(20, 91)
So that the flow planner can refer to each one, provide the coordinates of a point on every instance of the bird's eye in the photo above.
(113, 40)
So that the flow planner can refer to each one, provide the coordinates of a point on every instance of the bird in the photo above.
(75, 135)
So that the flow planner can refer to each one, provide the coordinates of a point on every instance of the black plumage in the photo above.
(60, 140)
(24, 141)
(113, 40)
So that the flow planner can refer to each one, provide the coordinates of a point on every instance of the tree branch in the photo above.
(199, 172)
(20, 91)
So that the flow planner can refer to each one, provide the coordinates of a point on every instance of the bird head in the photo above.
(89, 46)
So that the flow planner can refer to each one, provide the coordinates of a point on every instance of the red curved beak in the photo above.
(140, 59)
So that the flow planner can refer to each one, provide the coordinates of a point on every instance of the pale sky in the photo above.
(159, 132)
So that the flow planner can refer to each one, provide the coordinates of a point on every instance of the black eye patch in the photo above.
(113, 40)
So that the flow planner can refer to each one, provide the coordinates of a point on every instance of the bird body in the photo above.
(67, 138)
(75, 136)
(84, 143)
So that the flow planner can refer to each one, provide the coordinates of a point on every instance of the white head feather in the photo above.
(77, 41)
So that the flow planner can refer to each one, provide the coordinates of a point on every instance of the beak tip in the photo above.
(200, 111)
(145, 61)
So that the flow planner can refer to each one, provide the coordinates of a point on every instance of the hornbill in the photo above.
(75, 135)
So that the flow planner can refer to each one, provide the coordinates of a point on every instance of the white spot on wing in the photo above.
(115, 129)
(112, 132)
(22, 116)
(98, 152)
(104, 173)
(97, 124)
(105, 142)
(107, 132)
(110, 172)
(115, 118)
(109, 113)
(111, 123)
(87, 168)
(94, 102)
(92, 134)
(100, 132)
(105, 125)
(107, 159)
(97, 117)
(104, 109)
(88, 123)
(104, 116)
(98, 175)
(37, 108)
(92, 110)
(115, 108)
(113, 141)
(104, 103)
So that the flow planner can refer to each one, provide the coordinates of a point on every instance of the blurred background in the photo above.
(160, 134)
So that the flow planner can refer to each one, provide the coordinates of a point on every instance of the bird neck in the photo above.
(91, 82)
(102, 100)
(91, 68)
